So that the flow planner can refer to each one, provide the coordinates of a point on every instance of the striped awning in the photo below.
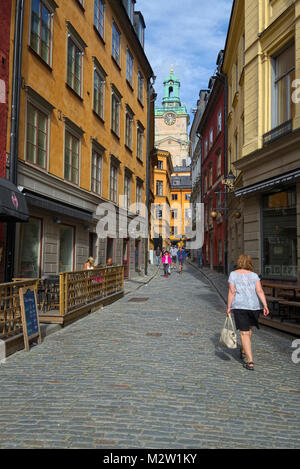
(271, 183)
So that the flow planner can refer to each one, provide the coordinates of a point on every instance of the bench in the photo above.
(283, 308)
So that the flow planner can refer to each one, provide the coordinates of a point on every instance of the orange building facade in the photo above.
(84, 135)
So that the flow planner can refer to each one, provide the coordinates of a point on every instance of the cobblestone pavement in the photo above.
(151, 374)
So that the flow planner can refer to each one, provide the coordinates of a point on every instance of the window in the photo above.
(71, 158)
(129, 75)
(139, 193)
(99, 92)
(97, 161)
(187, 196)
(219, 125)
(174, 196)
(37, 136)
(210, 183)
(140, 91)
(127, 190)
(284, 74)
(205, 183)
(114, 182)
(81, 2)
(140, 141)
(159, 188)
(74, 72)
(41, 30)
(236, 77)
(174, 214)
(99, 17)
(205, 148)
(116, 42)
(219, 164)
(66, 248)
(130, 8)
(160, 165)
(128, 127)
(115, 112)
(211, 138)
(30, 248)
(174, 231)
(159, 213)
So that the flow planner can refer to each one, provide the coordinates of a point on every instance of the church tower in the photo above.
(171, 123)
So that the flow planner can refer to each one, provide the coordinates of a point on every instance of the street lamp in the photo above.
(229, 181)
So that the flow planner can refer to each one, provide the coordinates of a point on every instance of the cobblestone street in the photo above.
(148, 372)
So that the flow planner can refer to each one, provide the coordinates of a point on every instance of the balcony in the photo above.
(278, 132)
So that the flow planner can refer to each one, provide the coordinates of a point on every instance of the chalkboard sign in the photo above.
(29, 313)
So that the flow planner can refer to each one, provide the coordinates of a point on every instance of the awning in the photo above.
(13, 207)
(58, 208)
(269, 183)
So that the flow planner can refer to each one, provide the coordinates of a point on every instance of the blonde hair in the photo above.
(245, 262)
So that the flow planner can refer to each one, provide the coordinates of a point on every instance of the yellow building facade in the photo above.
(267, 190)
(160, 211)
(83, 133)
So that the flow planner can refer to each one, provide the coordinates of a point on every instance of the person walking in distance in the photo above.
(174, 251)
(181, 256)
(157, 255)
(246, 300)
(166, 260)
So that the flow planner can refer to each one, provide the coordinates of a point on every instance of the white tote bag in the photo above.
(228, 336)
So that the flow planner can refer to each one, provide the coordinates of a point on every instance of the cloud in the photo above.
(188, 34)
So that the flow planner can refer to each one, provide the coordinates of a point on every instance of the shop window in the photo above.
(280, 235)
(66, 248)
(30, 248)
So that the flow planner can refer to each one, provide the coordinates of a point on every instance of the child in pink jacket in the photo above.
(166, 260)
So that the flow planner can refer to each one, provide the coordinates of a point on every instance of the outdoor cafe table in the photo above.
(295, 289)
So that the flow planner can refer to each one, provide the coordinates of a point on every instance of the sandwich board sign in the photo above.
(30, 317)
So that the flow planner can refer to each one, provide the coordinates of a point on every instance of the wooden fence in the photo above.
(87, 286)
(10, 311)
(75, 292)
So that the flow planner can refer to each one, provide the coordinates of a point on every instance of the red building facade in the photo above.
(212, 131)
(5, 22)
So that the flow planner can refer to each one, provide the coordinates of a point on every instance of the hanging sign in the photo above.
(30, 317)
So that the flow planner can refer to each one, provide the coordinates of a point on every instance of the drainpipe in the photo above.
(149, 93)
(226, 171)
(14, 135)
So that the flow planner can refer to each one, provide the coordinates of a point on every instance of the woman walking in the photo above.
(246, 299)
(166, 260)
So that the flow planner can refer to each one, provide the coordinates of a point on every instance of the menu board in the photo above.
(29, 313)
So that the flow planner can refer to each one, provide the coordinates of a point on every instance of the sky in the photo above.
(188, 34)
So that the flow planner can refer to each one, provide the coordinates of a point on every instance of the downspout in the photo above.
(14, 132)
(149, 87)
(226, 171)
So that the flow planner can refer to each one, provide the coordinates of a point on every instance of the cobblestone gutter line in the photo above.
(221, 293)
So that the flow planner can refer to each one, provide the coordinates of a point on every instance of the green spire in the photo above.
(171, 91)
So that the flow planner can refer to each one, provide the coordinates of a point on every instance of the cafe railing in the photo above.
(87, 286)
(10, 310)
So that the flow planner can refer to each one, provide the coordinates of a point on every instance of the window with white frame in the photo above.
(96, 179)
(159, 188)
(37, 136)
(219, 122)
(127, 189)
(128, 127)
(140, 91)
(99, 90)
(211, 138)
(284, 75)
(41, 34)
(116, 43)
(72, 148)
(114, 171)
(129, 72)
(99, 17)
(115, 111)
(139, 193)
(205, 147)
(140, 141)
(76, 48)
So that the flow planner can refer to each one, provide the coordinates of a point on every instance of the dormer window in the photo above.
(139, 26)
(129, 5)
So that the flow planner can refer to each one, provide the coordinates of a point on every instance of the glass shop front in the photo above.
(280, 235)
